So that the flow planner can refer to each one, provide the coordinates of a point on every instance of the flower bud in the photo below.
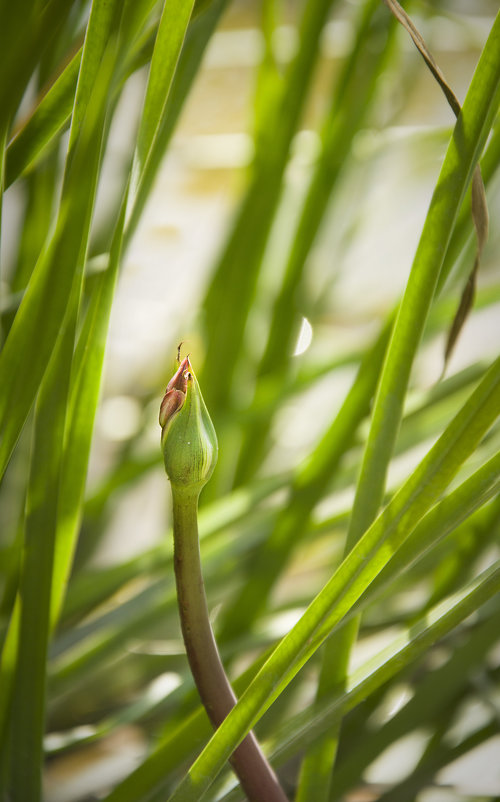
(188, 437)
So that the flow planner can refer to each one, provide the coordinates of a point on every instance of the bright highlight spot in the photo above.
(163, 685)
(120, 417)
(304, 339)
(60, 740)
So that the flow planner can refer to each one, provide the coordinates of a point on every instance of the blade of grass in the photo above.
(163, 64)
(309, 725)
(439, 522)
(435, 691)
(165, 56)
(229, 296)
(406, 648)
(352, 578)
(3, 142)
(307, 488)
(52, 113)
(470, 133)
(38, 321)
(200, 30)
(169, 40)
(442, 755)
(49, 118)
(90, 589)
(41, 190)
(106, 638)
(28, 30)
(489, 164)
(479, 208)
(85, 386)
(177, 745)
(28, 693)
(70, 241)
(352, 99)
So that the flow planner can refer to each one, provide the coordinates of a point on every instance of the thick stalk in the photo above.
(256, 776)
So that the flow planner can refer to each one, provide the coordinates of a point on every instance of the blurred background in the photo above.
(319, 212)
(355, 269)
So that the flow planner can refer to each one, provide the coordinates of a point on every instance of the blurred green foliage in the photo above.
(383, 529)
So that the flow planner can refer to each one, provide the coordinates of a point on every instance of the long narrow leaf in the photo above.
(34, 601)
(457, 170)
(171, 32)
(352, 99)
(85, 388)
(352, 578)
(51, 115)
(38, 321)
(198, 35)
(471, 131)
(406, 648)
(227, 301)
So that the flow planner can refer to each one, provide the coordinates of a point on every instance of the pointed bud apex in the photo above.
(175, 393)
(189, 441)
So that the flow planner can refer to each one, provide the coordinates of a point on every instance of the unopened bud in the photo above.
(188, 439)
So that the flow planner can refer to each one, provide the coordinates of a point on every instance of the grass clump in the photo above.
(356, 493)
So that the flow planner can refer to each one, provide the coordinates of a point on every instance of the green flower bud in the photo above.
(188, 437)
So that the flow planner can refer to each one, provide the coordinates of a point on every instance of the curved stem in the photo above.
(256, 776)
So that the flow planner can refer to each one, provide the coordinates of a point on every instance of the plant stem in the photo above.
(256, 776)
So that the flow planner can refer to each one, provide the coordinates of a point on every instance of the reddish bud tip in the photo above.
(175, 394)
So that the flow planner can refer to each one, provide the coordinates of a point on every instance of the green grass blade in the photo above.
(489, 163)
(41, 189)
(440, 521)
(28, 697)
(441, 756)
(49, 118)
(229, 296)
(352, 99)
(432, 695)
(3, 142)
(169, 40)
(470, 133)
(103, 17)
(28, 703)
(171, 32)
(28, 30)
(39, 318)
(200, 30)
(469, 136)
(174, 748)
(352, 578)
(406, 648)
(307, 488)
(92, 588)
(85, 386)
(53, 111)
